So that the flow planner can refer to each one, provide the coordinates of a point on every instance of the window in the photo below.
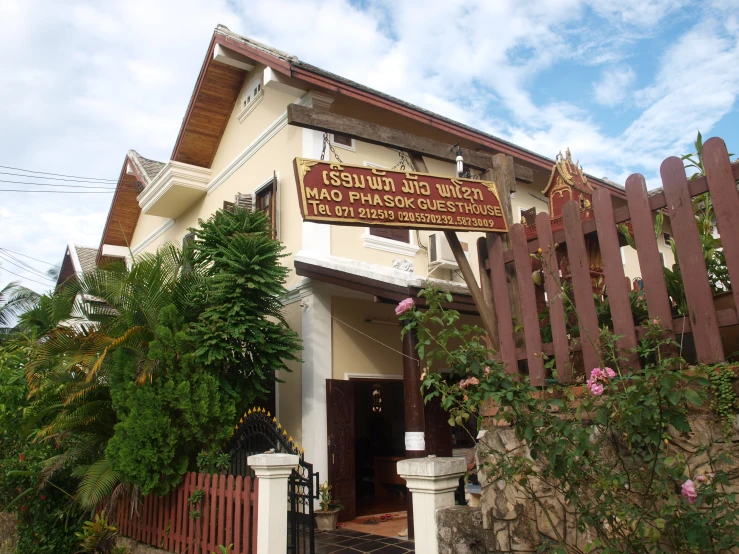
(667, 238)
(528, 217)
(343, 141)
(252, 92)
(401, 235)
(265, 202)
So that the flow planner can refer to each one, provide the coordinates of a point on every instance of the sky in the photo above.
(622, 84)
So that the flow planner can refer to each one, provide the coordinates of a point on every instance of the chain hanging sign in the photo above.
(343, 194)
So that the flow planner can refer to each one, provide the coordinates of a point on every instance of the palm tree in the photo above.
(14, 300)
(79, 328)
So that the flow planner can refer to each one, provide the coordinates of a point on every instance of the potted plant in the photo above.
(328, 515)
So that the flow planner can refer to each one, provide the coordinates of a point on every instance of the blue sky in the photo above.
(623, 84)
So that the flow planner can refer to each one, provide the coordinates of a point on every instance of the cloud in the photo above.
(613, 86)
(86, 81)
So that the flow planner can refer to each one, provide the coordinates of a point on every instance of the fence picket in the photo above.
(552, 286)
(238, 498)
(618, 294)
(221, 511)
(248, 518)
(499, 286)
(212, 515)
(719, 174)
(692, 263)
(229, 510)
(652, 272)
(581, 284)
(532, 334)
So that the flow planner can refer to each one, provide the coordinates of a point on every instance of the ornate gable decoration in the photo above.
(567, 182)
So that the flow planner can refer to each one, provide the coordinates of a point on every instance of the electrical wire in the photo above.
(34, 272)
(25, 264)
(92, 181)
(102, 187)
(60, 191)
(27, 256)
(22, 277)
(58, 174)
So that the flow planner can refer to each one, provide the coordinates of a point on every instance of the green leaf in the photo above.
(693, 397)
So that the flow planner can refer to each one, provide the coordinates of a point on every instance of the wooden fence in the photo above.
(226, 514)
(703, 320)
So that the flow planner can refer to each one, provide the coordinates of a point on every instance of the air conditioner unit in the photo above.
(440, 253)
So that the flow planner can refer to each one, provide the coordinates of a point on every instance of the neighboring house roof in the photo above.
(77, 260)
(136, 174)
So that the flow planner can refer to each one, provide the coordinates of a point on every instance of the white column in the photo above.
(317, 367)
(432, 482)
(273, 471)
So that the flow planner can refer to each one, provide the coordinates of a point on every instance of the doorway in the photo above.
(379, 431)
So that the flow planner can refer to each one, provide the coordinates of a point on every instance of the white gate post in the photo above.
(273, 471)
(432, 481)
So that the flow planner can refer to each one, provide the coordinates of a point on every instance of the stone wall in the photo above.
(135, 547)
(460, 530)
(514, 523)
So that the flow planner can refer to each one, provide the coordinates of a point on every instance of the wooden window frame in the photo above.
(352, 147)
(268, 189)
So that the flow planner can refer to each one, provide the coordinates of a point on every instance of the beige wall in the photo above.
(289, 393)
(354, 350)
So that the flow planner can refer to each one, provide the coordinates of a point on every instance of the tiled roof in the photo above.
(146, 167)
(86, 257)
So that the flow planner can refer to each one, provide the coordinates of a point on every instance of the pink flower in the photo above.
(701, 478)
(404, 306)
(487, 370)
(463, 384)
(598, 379)
(655, 321)
(473, 381)
(688, 491)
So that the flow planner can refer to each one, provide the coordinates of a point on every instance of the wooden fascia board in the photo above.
(384, 103)
(462, 132)
(112, 208)
(254, 53)
(367, 131)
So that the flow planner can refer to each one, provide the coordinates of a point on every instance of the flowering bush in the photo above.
(608, 457)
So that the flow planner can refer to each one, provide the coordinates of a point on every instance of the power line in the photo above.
(81, 180)
(28, 269)
(57, 174)
(27, 256)
(22, 277)
(58, 185)
(8, 255)
(59, 191)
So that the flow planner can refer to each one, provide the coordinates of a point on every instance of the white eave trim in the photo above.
(389, 245)
(152, 237)
(266, 135)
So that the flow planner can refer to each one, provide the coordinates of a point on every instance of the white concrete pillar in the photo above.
(273, 471)
(317, 367)
(432, 482)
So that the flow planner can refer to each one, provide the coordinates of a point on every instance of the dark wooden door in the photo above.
(341, 467)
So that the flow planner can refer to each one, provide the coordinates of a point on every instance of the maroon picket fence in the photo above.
(703, 320)
(226, 515)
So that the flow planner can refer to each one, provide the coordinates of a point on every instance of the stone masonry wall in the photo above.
(510, 522)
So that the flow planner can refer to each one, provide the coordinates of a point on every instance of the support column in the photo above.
(432, 481)
(273, 471)
(317, 367)
(415, 442)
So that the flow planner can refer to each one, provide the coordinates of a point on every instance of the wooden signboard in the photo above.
(343, 194)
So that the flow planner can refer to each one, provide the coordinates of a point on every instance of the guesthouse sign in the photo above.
(343, 194)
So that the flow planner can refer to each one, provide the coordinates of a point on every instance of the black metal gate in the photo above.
(258, 432)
